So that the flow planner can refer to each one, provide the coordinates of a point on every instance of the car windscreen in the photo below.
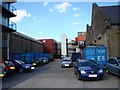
(44, 59)
(20, 62)
(65, 60)
(37, 59)
(84, 64)
(8, 63)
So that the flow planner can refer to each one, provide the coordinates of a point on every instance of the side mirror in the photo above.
(116, 64)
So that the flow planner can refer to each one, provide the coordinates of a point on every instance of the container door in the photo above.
(89, 53)
(101, 56)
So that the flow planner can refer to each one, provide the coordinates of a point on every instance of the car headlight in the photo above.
(100, 71)
(27, 67)
(83, 72)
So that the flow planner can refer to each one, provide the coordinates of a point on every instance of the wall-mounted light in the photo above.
(107, 23)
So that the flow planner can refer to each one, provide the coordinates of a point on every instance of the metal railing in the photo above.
(12, 25)
(7, 23)
(9, 7)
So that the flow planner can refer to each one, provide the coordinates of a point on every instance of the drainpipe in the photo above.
(0, 43)
(8, 46)
(107, 27)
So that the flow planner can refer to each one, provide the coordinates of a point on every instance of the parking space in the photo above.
(53, 76)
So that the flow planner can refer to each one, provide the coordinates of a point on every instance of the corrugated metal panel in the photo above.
(19, 43)
(96, 53)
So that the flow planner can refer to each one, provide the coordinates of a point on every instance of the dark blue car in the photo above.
(85, 69)
(21, 66)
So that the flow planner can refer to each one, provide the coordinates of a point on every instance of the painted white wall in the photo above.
(63, 45)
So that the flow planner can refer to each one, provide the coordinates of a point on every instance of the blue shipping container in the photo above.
(27, 57)
(96, 53)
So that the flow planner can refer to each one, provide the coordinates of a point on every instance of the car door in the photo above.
(110, 65)
(116, 67)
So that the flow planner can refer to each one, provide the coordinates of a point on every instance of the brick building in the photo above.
(105, 28)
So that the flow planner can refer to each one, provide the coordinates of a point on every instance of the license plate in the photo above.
(12, 67)
(93, 75)
(34, 63)
(32, 67)
(1, 75)
(66, 64)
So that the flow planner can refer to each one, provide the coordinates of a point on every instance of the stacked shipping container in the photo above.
(50, 46)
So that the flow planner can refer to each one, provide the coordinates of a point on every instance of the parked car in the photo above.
(8, 66)
(113, 66)
(22, 67)
(37, 62)
(2, 71)
(66, 63)
(44, 59)
(87, 69)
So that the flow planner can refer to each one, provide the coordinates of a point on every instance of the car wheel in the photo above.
(78, 76)
(21, 70)
(107, 70)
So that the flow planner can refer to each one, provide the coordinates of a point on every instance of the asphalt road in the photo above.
(53, 76)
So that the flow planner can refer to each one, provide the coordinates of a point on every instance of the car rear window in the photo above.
(66, 60)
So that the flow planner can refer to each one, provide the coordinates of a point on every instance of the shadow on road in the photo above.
(16, 78)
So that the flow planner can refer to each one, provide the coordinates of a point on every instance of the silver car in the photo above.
(113, 65)
(66, 63)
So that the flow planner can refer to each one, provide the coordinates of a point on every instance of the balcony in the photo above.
(7, 25)
(8, 10)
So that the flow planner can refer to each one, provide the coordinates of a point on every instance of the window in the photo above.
(115, 62)
(88, 63)
(110, 61)
(8, 63)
